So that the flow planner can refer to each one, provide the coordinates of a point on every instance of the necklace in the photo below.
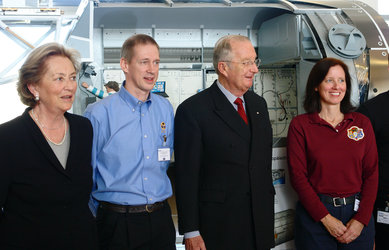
(335, 121)
(41, 126)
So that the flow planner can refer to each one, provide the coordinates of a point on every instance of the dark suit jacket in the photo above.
(377, 111)
(44, 205)
(223, 171)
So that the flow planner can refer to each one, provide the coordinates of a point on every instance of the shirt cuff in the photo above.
(93, 204)
(192, 234)
(90, 88)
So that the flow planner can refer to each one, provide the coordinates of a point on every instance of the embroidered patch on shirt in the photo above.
(355, 133)
(163, 126)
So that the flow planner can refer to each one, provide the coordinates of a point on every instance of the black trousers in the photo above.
(312, 235)
(141, 231)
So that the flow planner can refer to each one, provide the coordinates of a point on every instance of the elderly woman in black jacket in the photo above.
(45, 173)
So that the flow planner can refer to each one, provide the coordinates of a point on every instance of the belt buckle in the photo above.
(148, 208)
(338, 198)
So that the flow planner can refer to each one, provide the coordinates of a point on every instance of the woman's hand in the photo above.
(354, 229)
(334, 226)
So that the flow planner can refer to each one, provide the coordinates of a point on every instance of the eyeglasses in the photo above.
(248, 63)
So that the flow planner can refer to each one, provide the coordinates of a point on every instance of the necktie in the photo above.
(241, 112)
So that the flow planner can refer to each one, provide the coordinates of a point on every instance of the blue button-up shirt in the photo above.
(127, 134)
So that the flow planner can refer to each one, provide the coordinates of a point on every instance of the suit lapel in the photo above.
(74, 139)
(41, 142)
(226, 112)
(257, 119)
(253, 113)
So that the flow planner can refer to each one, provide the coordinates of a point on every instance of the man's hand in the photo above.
(195, 243)
(334, 226)
(85, 85)
(354, 229)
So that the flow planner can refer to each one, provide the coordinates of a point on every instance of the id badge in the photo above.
(382, 217)
(356, 204)
(164, 154)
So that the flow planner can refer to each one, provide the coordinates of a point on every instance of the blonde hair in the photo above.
(35, 67)
(127, 50)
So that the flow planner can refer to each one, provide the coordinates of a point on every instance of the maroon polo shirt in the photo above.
(338, 162)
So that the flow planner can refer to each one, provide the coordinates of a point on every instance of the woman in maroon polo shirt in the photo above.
(333, 164)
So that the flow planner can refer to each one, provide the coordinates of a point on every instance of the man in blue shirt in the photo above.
(132, 146)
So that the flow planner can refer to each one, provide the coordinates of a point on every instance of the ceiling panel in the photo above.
(55, 2)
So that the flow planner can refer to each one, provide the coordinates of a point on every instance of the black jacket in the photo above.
(223, 170)
(377, 109)
(44, 205)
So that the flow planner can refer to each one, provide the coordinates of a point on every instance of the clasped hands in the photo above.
(342, 233)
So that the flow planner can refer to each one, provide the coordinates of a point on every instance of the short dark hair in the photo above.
(318, 73)
(112, 85)
(35, 67)
(127, 51)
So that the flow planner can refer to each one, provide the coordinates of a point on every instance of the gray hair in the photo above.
(222, 50)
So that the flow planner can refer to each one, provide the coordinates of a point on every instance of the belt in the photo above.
(338, 201)
(149, 208)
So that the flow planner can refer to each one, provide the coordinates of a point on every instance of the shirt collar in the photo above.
(131, 100)
(315, 118)
(231, 98)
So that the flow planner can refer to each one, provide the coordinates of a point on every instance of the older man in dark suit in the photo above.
(223, 149)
